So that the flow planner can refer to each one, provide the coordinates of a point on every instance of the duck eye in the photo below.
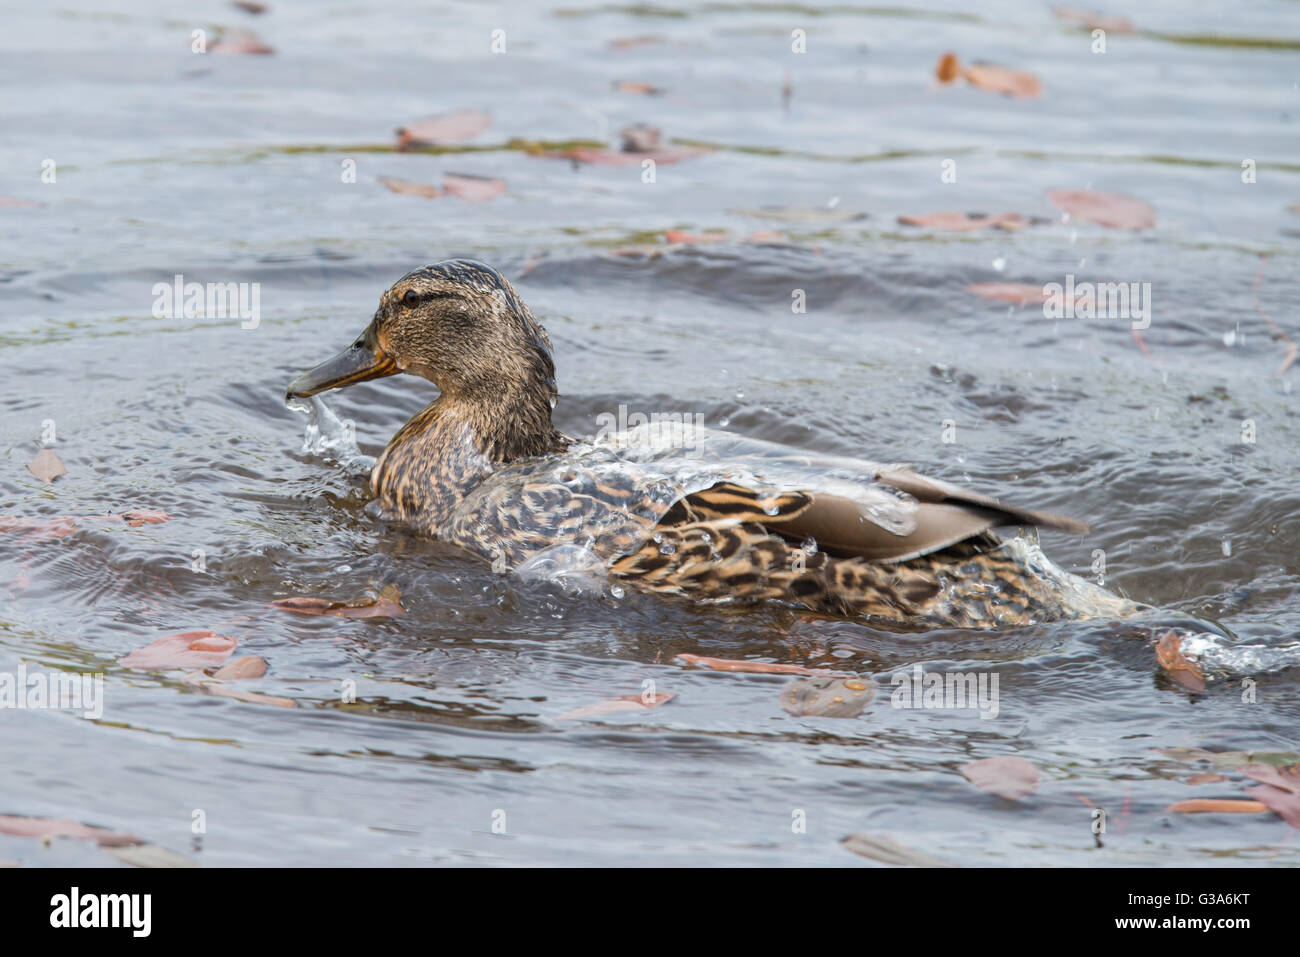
(411, 299)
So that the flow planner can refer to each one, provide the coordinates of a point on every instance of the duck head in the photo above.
(459, 324)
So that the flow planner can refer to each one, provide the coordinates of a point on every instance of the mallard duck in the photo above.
(696, 513)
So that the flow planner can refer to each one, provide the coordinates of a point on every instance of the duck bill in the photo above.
(363, 360)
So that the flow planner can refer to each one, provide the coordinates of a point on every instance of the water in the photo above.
(229, 169)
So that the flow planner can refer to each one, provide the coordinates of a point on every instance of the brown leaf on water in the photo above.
(241, 668)
(640, 138)
(640, 142)
(14, 201)
(1009, 777)
(684, 238)
(889, 851)
(149, 855)
(949, 68)
(190, 649)
(988, 76)
(1218, 806)
(1179, 667)
(386, 604)
(47, 466)
(827, 697)
(454, 127)
(144, 516)
(1286, 778)
(475, 189)
(240, 42)
(1279, 800)
(427, 190)
(753, 667)
(643, 89)
(251, 6)
(626, 43)
(1001, 79)
(43, 827)
(1095, 21)
(1206, 777)
(1112, 210)
(1023, 294)
(965, 222)
(630, 702)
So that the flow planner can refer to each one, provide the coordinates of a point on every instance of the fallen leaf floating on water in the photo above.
(49, 827)
(626, 43)
(948, 69)
(250, 6)
(427, 190)
(23, 203)
(827, 697)
(475, 189)
(1218, 806)
(1180, 668)
(386, 604)
(889, 851)
(241, 668)
(455, 127)
(240, 42)
(1105, 209)
(988, 76)
(210, 684)
(1286, 778)
(1206, 777)
(47, 466)
(1095, 21)
(190, 649)
(753, 667)
(965, 222)
(1009, 777)
(60, 526)
(643, 89)
(1023, 294)
(629, 702)
(149, 855)
(684, 238)
(640, 142)
(1285, 803)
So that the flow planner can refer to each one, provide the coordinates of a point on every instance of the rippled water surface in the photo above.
(229, 169)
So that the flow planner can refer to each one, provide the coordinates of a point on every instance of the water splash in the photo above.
(578, 570)
(330, 437)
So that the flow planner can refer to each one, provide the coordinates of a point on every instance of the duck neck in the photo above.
(448, 448)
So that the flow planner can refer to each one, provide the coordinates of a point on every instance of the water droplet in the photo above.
(1230, 338)
(740, 394)
(1227, 548)
(616, 591)
(1000, 264)
(724, 422)
(667, 548)
(809, 546)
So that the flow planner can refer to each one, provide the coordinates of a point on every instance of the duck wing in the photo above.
(934, 515)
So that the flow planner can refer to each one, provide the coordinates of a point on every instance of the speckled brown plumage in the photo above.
(483, 467)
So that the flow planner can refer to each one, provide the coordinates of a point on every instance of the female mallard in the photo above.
(685, 511)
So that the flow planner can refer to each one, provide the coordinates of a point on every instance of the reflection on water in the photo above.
(1179, 445)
